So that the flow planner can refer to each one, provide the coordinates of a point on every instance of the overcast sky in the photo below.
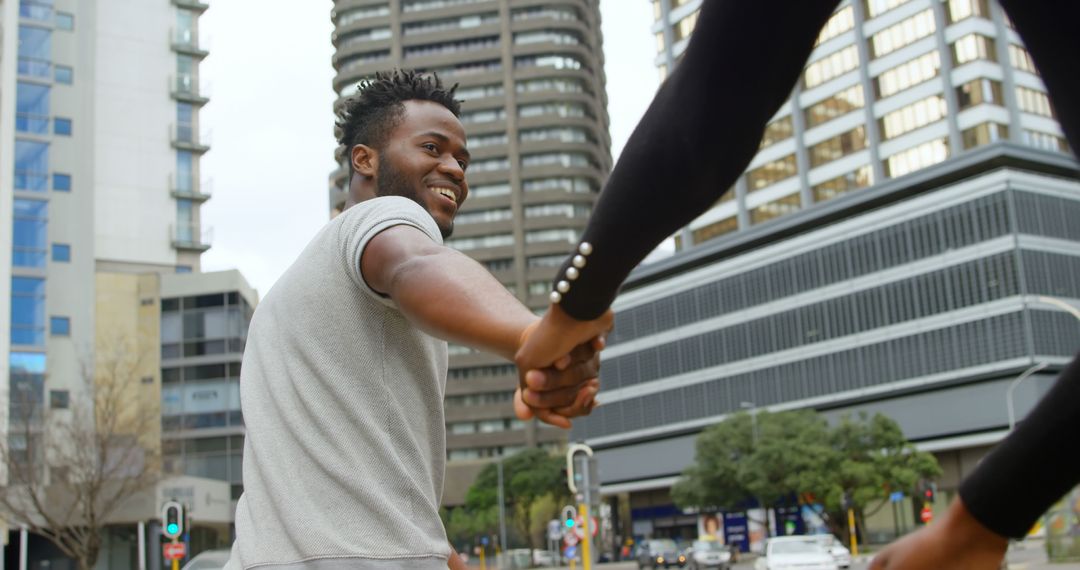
(270, 120)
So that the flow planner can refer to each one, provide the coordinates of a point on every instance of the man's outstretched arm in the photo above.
(448, 295)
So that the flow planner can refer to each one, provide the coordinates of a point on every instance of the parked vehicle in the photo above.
(839, 552)
(795, 553)
(209, 560)
(659, 553)
(707, 555)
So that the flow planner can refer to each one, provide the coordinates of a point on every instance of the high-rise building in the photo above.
(892, 86)
(531, 76)
(901, 244)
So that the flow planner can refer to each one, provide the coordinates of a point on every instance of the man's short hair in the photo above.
(379, 105)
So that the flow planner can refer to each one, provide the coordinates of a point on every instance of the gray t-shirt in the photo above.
(343, 402)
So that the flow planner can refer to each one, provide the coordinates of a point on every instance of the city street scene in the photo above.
(507, 284)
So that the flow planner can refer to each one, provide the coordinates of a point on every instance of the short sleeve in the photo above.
(367, 219)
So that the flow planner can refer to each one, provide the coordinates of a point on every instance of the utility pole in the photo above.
(502, 509)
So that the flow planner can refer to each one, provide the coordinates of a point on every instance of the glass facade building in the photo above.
(535, 111)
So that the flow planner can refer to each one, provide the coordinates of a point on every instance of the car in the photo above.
(543, 558)
(659, 553)
(839, 552)
(708, 554)
(795, 553)
(209, 560)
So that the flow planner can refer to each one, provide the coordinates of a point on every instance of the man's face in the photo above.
(425, 160)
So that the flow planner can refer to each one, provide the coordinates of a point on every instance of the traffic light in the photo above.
(172, 520)
(569, 517)
(928, 493)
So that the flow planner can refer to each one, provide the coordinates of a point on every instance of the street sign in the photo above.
(174, 550)
(570, 552)
(579, 528)
(484, 540)
(554, 529)
(896, 496)
(571, 538)
(926, 515)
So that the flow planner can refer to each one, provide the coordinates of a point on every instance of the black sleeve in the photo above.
(698, 135)
(1033, 467)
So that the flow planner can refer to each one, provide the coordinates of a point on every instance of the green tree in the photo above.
(527, 476)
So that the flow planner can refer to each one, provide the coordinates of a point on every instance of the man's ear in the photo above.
(365, 160)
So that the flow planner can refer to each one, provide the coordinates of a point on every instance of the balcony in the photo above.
(195, 5)
(187, 42)
(187, 88)
(187, 188)
(191, 237)
(185, 136)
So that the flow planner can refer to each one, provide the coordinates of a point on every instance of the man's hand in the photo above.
(957, 541)
(563, 391)
(551, 341)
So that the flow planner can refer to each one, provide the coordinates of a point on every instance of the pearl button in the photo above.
(579, 261)
(555, 296)
(572, 273)
(585, 248)
(563, 286)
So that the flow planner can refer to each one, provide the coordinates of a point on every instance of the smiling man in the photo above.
(345, 368)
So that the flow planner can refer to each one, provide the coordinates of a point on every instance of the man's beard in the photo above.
(391, 182)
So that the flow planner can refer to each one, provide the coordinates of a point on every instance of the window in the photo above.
(564, 210)
(484, 216)
(1045, 141)
(776, 131)
(472, 44)
(489, 165)
(916, 158)
(357, 14)
(875, 8)
(561, 134)
(573, 185)
(489, 190)
(61, 182)
(838, 147)
(715, 229)
(685, 27)
(958, 10)
(835, 106)
(860, 178)
(1035, 102)
(61, 252)
(1021, 59)
(911, 117)
(481, 141)
(41, 10)
(31, 108)
(63, 74)
(28, 311)
(557, 109)
(185, 123)
(902, 34)
(775, 209)
(479, 92)
(62, 126)
(59, 399)
(480, 242)
(907, 74)
(30, 234)
(839, 23)
(543, 236)
(65, 21)
(501, 264)
(183, 269)
(973, 47)
(831, 66)
(457, 23)
(553, 61)
(771, 173)
(482, 116)
(539, 287)
(979, 91)
(35, 51)
(563, 159)
(984, 133)
(546, 260)
(562, 85)
(31, 165)
(60, 326)
(660, 44)
(543, 36)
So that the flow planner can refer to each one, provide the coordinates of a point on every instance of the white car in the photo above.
(706, 554)
(209, 560)
(839, 553)
(795, 553)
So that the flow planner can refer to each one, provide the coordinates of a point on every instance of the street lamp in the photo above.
(1009, 393)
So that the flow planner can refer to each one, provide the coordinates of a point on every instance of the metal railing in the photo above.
(190, 188)
(191, 236)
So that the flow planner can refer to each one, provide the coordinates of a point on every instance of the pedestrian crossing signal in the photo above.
(172, 519)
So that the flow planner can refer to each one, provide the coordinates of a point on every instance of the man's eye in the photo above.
(463, 164)
(431, 147)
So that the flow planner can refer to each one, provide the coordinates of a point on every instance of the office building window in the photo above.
(40, 10)
(59, 399)
(479, 92)
(456, 23)
(490, 165)
(31, 165)
(831, 66)
(958, 10)
(560, 84)
(854, 180)
(978, 91)
(984, 133)
(837, 105)
(1035, 102)
(1021, 59)
(563, 159)
(916, 158)
(775, 209)
(60, 326)
(562, 37)
(363, 13)
(61, 182)
(839, 23)
(65, 21)
(1045, 141)
(481, 141)
(472, 44)
(715, 229)
(561, 134)
(32, 107)
(28, 311)
(907, 74)
(552, 61)
(547, 236)
(771, 173)
(35, 52)
(482, 116)
(61, 252)
(484, 216)
(838, 147)
(560, 210)
(973, 47)
(63, 74)
(419, 5)
(911, 117)
(489, 190)
(875, 8)
(546, 260)
(776, 131)
(564, 110)
(481, 242)
(62, 126)
(30, 235)
(685, 27)
(902, 34)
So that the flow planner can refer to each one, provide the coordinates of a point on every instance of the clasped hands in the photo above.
(558, 363)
